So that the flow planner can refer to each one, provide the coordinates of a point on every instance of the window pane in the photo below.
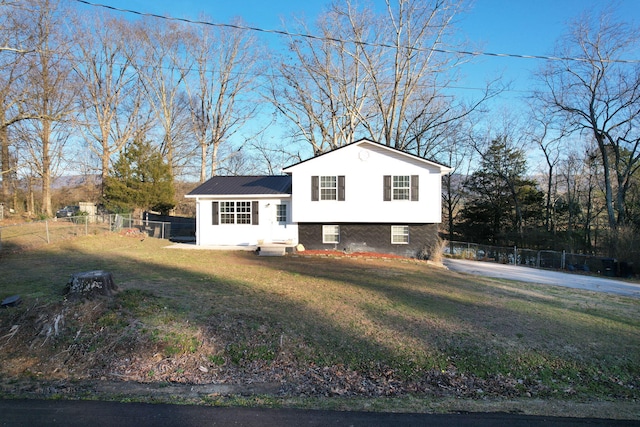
(244, 213)
(399, 234)
(401, 181)
(328, 188)
(227, 212)
(281, 213)
(235, 212)
(330, 234)
(401, 187)
(327, 181)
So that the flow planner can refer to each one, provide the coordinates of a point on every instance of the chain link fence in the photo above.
(540, 258)
(33, 234)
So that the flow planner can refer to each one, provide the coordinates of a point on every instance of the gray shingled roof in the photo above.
(243, 185)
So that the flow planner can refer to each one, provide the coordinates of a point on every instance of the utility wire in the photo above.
(363, 43)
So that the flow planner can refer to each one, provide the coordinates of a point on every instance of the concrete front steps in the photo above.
(274, 249)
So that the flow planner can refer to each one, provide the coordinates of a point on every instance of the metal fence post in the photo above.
(515, 255)
(563, 259)
(46, 226)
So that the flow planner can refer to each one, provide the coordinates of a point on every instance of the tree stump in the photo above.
(90, 283)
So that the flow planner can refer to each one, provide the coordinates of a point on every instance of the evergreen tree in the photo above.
(501, 201)
(140, 179)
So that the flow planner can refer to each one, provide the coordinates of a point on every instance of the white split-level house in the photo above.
(363, 196)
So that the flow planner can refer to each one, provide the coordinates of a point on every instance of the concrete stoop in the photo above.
(272, 250)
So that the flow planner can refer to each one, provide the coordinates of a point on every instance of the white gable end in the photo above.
(363, 166)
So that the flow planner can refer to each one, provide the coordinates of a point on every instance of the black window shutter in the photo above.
(214, 214)
(254, 212)
(414, 188)
(387, 188)
(341, 188)
(315, 188)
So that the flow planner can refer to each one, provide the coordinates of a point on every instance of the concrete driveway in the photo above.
(547, 277)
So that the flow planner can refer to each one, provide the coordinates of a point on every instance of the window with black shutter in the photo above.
(414, 188)
(235, 212)
(401, 187)
(328, 187)
(341, 188)
(214, 213)
(315, 188)
(387, 188)
(254, 212)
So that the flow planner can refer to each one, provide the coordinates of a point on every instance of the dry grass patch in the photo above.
(316, 326)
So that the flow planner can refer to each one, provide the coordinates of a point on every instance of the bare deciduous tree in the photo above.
(376, 75)
(163, 63)
(580, 181)
(459, 157)
(13, 67)
(409, 77)
(599, 97)
(111, 100)
(323, 89)
(49, 94)
(219, 105)
(549, 136)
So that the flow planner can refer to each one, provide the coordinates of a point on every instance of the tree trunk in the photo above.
(214, 159)
(549, 187)
(203, 162)
(5, 164)
(104, 158)
(608, 193)
(46, 168)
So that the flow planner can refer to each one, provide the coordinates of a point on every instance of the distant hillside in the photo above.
(72, 181)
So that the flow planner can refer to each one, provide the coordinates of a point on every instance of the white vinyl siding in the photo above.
(368, 188)
(262, 227)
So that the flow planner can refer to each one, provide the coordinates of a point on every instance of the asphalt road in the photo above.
(547, 277)
(69, 413)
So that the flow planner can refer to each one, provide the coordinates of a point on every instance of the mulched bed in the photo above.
(332, 253)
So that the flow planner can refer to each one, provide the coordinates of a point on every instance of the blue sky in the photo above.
(529, 27)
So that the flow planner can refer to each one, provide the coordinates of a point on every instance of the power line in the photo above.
(363, 43)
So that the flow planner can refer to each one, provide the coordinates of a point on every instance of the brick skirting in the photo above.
(371, 238)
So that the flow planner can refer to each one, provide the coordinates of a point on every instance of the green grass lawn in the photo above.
(317, 327)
